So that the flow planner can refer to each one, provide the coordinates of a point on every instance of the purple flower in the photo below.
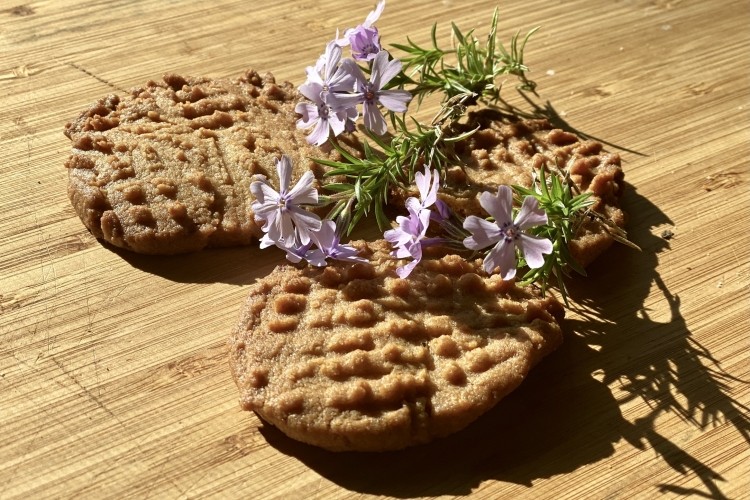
(409, 238)
(327, 74)
(285, 221)
(329, 246)
(427, 184)
(371, 93)
(507, 234)
(364, 39)
(321, 116)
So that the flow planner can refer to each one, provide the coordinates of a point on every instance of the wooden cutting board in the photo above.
(113, 374)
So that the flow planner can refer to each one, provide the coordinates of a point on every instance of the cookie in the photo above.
(350, 357)
(167, 168)
(508, 149)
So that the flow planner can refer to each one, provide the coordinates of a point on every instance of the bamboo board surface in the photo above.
(113, 373)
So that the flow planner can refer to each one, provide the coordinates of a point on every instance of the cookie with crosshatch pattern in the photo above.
(166, 169)
(351, 357)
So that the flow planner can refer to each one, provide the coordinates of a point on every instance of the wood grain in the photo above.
(113, 376)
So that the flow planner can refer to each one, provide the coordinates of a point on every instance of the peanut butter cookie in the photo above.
(166, 169)
(351, 357)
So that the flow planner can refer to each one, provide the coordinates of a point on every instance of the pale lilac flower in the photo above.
(427, 184)
(285, 220)
(321, 116)
(297, 252)
(409, 238)
(507, 234)
(364, 39)
(371, 93)
(325, 77)
(328, 242)
(328, 75)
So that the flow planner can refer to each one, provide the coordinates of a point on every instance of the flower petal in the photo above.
(313, 73)
(428, 184)
(424, 221)
(282, 232)
(533, 249)
(348, 253)
(392, 235)
(365, 43)
(284, 169)
(443, 210)
(263, 193)
(341, 81)
(265, 211)
(388, 70)
(344, 41)
(379, 66)
(305, 222)
(319, 134)
(309, 114)
(422, 180)
(413, 204)
(351, 67)
(404, 271)
(374, 120)
(312, 91)
(375, 14)
(483, 233)
(325, 237)
(337, 123)
(502, 255)
(266, 242)
(316, 257)
(332, 58)
(394, 100)
(498, 206)
(338, 101)
(303, 192)
(530, 214)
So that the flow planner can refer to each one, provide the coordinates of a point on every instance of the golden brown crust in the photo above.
(350, 357)
(167, 168)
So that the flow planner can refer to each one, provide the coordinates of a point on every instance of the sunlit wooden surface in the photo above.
(113, 376)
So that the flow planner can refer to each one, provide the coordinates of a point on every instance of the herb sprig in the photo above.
(476, 69)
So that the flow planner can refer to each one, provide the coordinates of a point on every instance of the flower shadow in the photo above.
(565, 415)
(659, 363)
(548, 111)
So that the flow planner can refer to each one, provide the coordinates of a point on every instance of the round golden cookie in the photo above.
(351, 357)
(167, 168)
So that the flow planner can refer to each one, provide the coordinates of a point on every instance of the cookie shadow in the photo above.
(233, 265)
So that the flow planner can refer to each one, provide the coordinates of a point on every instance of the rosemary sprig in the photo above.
(367, 180)
(370, 180)
(476, 68)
